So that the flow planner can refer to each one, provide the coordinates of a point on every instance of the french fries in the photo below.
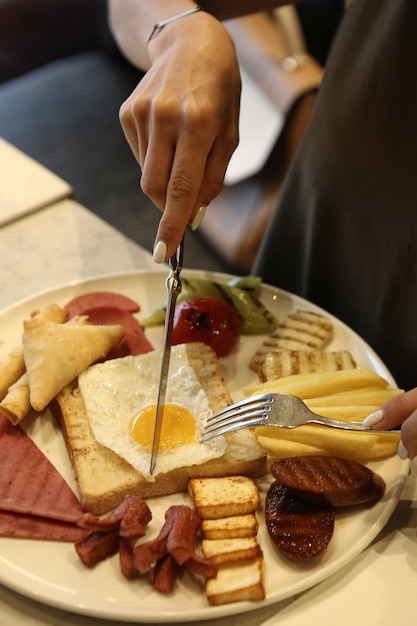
(372, 396)
(348, 395)
(280, 448)
(320, 383)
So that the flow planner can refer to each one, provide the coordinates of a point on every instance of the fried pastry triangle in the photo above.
(56, 353)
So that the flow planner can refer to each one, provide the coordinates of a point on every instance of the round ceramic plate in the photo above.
(51, 572)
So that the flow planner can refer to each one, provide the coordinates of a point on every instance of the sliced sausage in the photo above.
(327, 480)
(300, 530)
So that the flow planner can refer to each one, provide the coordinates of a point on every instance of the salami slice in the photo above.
(29, 483)
(93, 299)
(22, 526)
(134, 342)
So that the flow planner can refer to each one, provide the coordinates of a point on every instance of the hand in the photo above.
(400, 410)
(182, 120)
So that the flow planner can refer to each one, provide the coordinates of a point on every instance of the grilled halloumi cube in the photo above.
(237, 582)
(223, 497)
(230, 527)
(221, 551)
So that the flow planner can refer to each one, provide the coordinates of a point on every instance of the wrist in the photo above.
(178, 16)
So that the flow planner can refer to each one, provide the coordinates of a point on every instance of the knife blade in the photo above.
(173, 286)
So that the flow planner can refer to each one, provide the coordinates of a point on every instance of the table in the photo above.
(65, 242)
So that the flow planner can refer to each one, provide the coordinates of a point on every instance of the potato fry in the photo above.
(360, 396)
(346, 394)
(281, 448)
(319, 384)
(381, 450)
(322, 437)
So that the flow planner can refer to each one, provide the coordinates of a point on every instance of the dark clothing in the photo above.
(344, 233)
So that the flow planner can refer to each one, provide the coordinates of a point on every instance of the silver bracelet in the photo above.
(161, 25)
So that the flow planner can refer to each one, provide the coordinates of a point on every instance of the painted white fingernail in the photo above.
(160, 252)
(402, 451)
(198, 218)
(373, 418)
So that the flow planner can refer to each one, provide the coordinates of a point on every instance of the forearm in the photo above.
(262, 46)
(225, 10)
(132, 21)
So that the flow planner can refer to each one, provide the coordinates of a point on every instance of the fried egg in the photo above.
(120, 398)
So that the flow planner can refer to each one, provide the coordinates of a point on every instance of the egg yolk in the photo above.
(178, 427)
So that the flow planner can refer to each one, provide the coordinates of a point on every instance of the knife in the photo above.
(174, 286)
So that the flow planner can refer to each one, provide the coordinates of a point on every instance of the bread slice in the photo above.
(241, 581)
(273, 365)
(104, 478)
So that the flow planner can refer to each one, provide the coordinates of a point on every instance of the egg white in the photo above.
(116, 390)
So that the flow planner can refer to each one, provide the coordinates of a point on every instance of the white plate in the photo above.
(52, 573)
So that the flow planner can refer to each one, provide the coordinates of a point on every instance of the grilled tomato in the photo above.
(210, 320)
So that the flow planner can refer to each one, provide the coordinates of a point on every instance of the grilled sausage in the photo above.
(331, 481)
(300, 530)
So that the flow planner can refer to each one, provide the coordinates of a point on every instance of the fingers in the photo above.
(399, 411)
(193, 181)
(183, 173)
(408, 444)
(181, 123)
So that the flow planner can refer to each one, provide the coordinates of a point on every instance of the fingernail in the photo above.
(402, 451)
(160, 252)
(198, 218)
(373, 418)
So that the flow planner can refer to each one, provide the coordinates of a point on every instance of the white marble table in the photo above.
(66, 242)
(59, 244)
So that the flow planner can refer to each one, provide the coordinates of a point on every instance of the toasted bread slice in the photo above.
(302, 330)
(242, 581)
(104, 478)
(237, 526)
(224, 497)
(273, 365)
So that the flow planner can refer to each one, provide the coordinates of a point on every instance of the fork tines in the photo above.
(250, 412)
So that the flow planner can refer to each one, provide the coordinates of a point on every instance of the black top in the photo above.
(344, 233)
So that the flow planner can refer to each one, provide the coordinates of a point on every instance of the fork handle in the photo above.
(325, 421)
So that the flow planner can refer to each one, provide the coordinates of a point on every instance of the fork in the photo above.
(270, 409)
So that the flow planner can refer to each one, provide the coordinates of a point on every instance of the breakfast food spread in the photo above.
(93, 364)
